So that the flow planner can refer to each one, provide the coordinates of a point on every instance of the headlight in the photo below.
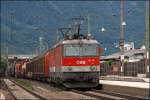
(69, 68)
(92, 68)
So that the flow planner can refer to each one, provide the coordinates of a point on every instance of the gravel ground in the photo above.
(19, 92)
(4, 91)
(51, 92)
(128, 90)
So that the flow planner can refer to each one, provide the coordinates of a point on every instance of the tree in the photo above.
(3, 66)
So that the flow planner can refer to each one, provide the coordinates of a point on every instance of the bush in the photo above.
(3, 66)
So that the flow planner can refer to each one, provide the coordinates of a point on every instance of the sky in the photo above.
(31, 19)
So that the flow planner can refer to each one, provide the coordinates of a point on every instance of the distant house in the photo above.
(134, 62)
(130, 54)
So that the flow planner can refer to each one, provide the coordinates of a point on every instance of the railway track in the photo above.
(107, 95)
(126, 96)
(15, 90)
(94, 93)
(97, 95)
(9, 90)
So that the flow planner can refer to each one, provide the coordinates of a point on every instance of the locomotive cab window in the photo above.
(71, 50)
(78, 50)
(89, 50)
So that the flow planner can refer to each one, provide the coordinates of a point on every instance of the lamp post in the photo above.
(122, 24)
(147, 37)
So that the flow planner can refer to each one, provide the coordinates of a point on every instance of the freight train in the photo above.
(72, 62)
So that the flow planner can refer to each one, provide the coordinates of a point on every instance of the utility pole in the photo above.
(122, 24)
(6, 55)
(57, 37)
(89, 27)
(43, 45)
(147, 36)
(40, 45)
(12, 21)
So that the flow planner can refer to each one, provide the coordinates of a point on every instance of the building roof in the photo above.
(86, 41)
(21, 56)
(126, 53)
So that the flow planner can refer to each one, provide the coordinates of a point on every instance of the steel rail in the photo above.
(126, 96)
(31, 92)
(9, 90)
(93, 95)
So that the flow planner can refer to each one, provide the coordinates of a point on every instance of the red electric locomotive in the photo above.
(73, 62)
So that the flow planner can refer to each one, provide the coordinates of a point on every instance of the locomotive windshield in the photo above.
(78, 50)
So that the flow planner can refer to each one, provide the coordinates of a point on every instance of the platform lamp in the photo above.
(122, 24)
(122, 50)
(147, 53)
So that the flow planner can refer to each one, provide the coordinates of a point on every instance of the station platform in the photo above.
(134, 82)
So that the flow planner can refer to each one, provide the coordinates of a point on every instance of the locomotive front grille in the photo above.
(81, 79)
(81, 76)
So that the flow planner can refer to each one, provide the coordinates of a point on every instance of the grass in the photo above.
(25, 83)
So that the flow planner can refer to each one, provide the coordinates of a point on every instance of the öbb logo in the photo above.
(80, 62)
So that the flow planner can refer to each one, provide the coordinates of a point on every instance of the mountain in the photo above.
(23, 22)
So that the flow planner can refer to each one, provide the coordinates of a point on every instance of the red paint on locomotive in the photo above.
(46, 67)
(81, 61)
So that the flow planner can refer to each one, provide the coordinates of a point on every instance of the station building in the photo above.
(134, 62)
